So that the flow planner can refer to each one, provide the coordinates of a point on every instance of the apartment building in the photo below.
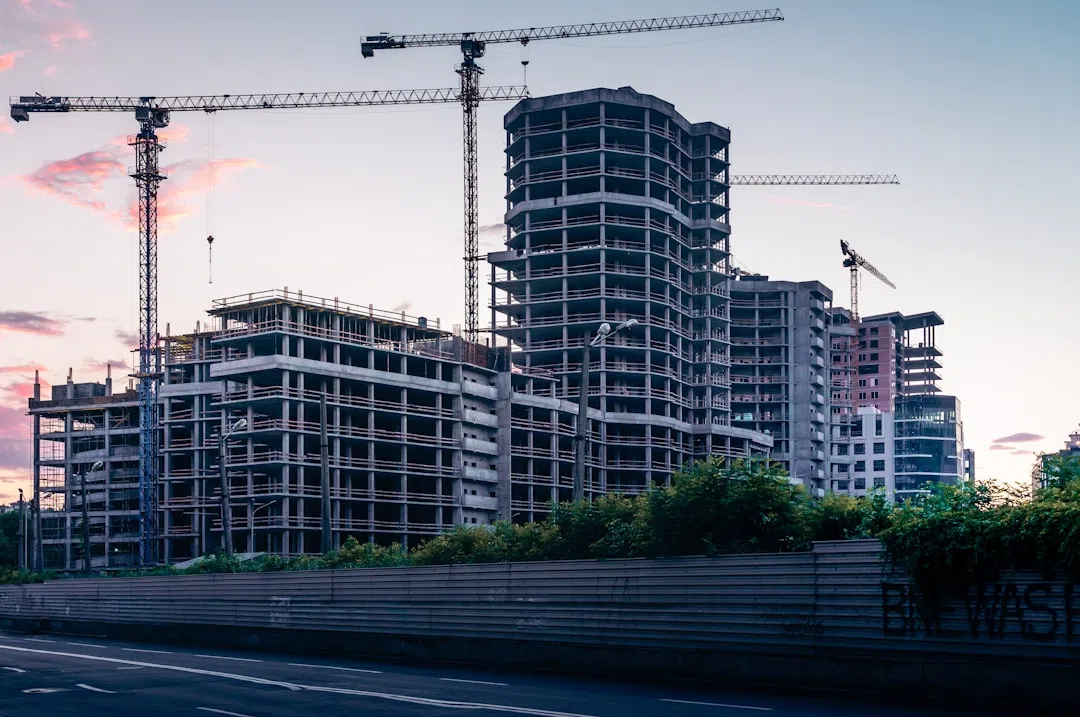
(894, 368)
(617, 209)
(779, 372)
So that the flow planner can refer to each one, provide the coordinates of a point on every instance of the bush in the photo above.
(946, 541)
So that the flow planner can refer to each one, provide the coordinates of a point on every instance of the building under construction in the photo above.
(78, 427)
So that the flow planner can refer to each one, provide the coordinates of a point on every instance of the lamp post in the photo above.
(252, 510)
(226, 507)
(86, 514)
(581, 436)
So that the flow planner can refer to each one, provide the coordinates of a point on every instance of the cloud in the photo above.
(402, 307)
(82, 180)
(74, 178)
(7, 60)
(6, 127)
(25, 368)
(128, 338)
(71, 30)
(1021, 437)
(1022, 452)
(31, 322)
(497, 228)
(807, 203)
(50, 70)
(15, 439)
(102, 366)
(999, 447)
(190, 177)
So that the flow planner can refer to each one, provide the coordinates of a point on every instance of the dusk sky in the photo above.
(975, 104)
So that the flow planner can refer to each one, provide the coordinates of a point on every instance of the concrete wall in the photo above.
(832, 619)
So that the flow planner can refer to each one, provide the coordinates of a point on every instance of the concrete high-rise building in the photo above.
(617, 209)
(779, 353)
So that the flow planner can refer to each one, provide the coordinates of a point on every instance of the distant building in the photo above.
(779, 373)
(1070, 451)
(896, 383)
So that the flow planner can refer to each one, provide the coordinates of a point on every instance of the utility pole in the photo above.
(324, 457)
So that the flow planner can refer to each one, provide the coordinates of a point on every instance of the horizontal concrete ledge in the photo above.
(931, 679)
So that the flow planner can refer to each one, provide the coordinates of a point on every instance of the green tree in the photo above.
(9, 539)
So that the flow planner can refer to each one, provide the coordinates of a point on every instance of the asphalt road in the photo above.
(67, 677)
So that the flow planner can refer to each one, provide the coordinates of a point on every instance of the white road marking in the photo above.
(222, 657)
(222, 712)
(720, 704)
(84, 644)
(155, 652)
(474, 682)
(94, 689)
(131, 668)
(37, 639)
(43, 690)
(15, 669)
(425, 701)
(334, 667)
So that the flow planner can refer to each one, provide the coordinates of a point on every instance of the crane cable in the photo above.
(211, 130)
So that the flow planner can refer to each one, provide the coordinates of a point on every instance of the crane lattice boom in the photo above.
(22, 106)
(525, 35)
(809, 179)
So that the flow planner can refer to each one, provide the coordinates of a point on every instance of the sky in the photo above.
(973, 103)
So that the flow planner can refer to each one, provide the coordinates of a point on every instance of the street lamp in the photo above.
(86, 514)
(581, 436)
(252, 510)
(226, 507)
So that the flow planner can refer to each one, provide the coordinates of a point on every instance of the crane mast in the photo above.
(473, 45)
(152, 114)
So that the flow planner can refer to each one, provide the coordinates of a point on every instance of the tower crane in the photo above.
(855, 261)
(473, 46)
(152, 114)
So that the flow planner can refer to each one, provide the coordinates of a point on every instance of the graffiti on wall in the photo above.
(1039, 611)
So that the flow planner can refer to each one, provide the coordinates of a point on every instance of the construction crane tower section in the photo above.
(152, 114)
(473, 46)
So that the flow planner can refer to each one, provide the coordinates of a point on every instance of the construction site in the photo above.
(622, 345)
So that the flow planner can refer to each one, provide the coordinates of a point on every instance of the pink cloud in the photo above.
(50, 70)
(26, 368)
(73, 178)
(6, 127)
(72, 30)
(7, 60)
(81, 180)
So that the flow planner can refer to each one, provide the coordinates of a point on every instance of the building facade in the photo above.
(894, 369)
(407, 429)
(617, 209)
(779, 371)
(79, 425)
